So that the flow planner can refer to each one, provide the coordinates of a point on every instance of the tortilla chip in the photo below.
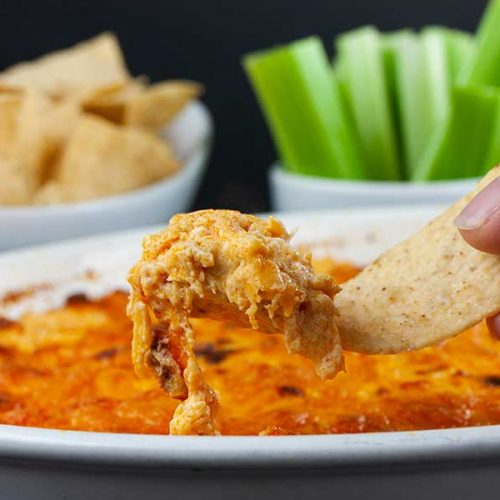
(79, 71)
(103, 159)
(42, 129)
(426, 289)
(61, 123)
(111, 105)
(14, 189)
(10, 105)
(62, 120)
(32, 147)
(160, 103)
(51, 193)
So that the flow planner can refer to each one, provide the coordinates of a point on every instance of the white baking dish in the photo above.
(52, 464)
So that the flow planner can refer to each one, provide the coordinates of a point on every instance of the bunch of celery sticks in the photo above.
(392, 106)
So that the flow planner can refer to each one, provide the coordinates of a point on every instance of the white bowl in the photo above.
(290, 191)
(190, 135)
(49, 464)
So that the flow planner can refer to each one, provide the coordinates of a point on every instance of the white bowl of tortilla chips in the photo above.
(85, 147)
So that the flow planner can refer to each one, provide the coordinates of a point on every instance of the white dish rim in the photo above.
(339, 450)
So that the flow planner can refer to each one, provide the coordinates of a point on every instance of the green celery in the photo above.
(460, 48)
(493, 155)
(484, 66)
(361, 69)
(471, 121)
(313, 69)
(422, 87)
(391, 43)
(461, 147)
(435, 87)
(301, 101)
(403, 50)
(274, 106)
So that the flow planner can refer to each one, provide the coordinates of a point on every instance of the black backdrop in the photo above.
(204, 40)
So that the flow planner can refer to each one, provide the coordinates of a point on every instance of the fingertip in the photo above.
(485, 238)
(479, 221)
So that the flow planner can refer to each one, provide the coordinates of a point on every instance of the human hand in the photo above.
(479, 225)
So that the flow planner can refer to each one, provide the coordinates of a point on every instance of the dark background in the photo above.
(204, 40)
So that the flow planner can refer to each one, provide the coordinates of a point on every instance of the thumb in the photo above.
(479, 221)
(479, 224)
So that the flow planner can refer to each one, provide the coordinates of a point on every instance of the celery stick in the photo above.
(426, 67)
(389, 61)
(391, 43)
(362, 73)
(434, 85)
(422, 88)
(460, 147)
(268, 75)
(274, 109)
(403, 49)
(493, 155)
(313, 72)
(300, 99)
(484, 66)
(302, 152)
(460, 49)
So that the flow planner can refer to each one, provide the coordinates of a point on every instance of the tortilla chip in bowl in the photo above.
(86, 147)
(190, 139)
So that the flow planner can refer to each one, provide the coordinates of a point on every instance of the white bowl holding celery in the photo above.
(400, 117)
(290, 192)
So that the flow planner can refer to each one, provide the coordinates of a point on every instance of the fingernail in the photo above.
(480, 208)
